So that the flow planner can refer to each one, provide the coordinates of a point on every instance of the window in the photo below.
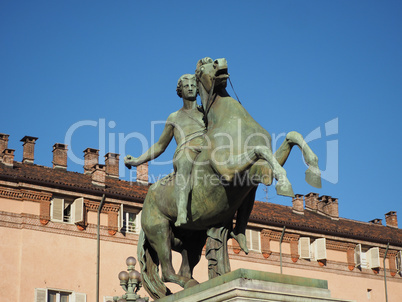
(253, 240)
(57, 296)
(360, 257)
(369, 290)
(304, 248)
(373, 257)
(367, 258)
(398, 260)
(129, 220)
(319, 249)
(67, 210)
(53, 295)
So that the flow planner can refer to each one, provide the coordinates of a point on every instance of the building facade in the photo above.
(49, 234)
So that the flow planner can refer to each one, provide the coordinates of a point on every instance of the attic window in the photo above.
(68, 210)
(129, 220)
(367, 257)
(253, 240)
(399, 263)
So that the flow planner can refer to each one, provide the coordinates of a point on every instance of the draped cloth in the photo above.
(217, 252)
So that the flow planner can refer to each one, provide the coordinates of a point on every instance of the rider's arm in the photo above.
(158, 148)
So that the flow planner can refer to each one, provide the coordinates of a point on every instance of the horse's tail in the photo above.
(149, 263)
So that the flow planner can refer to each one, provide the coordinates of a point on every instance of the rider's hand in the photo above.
(130, 161)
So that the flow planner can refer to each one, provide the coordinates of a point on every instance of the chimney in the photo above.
(298, 204)
(391, 219)
(332, 208)
(90, 159)
(376, 221)
(322, 204)
(142, 174)
(29, 148)
(311, 200)
(8, 157)
(328, 206)
(98, 175)
(112, 165)
(3, 143)
(59, 156)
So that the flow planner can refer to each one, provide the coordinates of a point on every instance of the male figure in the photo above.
(188, 128)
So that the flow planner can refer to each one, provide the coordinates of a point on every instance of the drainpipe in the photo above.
(98, 248)
(280, 246)
(385, 274)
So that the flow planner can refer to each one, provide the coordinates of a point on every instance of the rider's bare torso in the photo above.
(189, 128)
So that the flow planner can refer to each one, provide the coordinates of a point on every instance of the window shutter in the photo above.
(358, 255)
(255, 240)
(304, 248)
(373, 257)
(108, 299)
(78, 210)
(320, 249)
(248, 238)
(398, 260)
(57, 209)
(121, 216)
(40, 295)
(78, 297)
(138, 223)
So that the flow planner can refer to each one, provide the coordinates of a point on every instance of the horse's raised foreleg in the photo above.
(313, 174)
(240, 163)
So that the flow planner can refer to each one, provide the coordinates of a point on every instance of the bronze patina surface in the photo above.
(223, 168)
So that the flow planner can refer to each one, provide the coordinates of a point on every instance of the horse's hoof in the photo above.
(284, 188)
(313, 177)
(180, 221)
(190, 283)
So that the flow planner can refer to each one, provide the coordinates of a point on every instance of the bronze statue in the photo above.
(188, 128)
(235, 158)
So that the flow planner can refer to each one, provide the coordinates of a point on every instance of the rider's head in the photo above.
(182, 79)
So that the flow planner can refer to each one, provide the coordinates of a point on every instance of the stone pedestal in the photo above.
(248, 285)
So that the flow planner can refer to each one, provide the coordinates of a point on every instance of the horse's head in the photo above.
(212, 74)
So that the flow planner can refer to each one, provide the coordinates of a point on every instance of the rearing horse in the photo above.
(237, 156)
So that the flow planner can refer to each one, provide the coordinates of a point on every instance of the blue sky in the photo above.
(330, 70)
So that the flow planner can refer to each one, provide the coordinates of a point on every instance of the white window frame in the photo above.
(124, 223)
(58, 206)
(367, 258)
(319, 249)
(304, 248)
(398, 260)
(358, 255)
(253, 240)
(373, 258)
(42, 295)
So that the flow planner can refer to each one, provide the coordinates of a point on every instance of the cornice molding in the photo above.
(24, 194)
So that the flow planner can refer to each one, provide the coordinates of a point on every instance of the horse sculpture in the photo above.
(236, 158)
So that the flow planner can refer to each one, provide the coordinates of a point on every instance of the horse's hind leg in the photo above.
(243, 214)
(160, 237)
(191, 254)
(313, 174)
